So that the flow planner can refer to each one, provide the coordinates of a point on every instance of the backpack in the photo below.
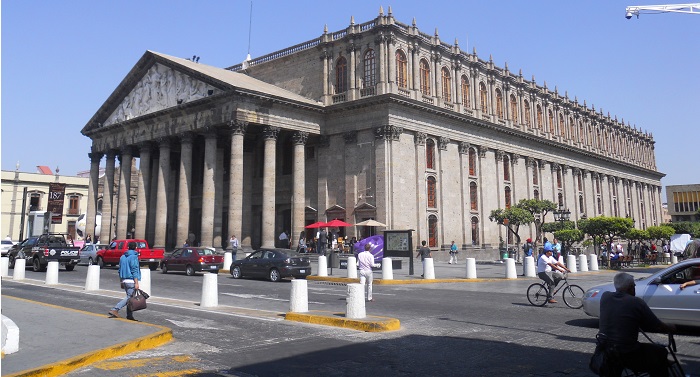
(527, 249)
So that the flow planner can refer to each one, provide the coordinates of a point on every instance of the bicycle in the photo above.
(614, 366)
(572, 294)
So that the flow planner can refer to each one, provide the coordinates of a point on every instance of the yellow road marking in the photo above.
(183, 372)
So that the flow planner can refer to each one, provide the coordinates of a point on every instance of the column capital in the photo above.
(442, 142)
(530, 161)
(95, 156)
(514, 158)
(110, 154)
(300, 137)
(419, 138)
(388, 133)
(499, 154)
(270, 132)
(237, 127)
(350, 137)
(464, 147)
(482, 151)
(576, 171)
(186, 138)
(163, 142)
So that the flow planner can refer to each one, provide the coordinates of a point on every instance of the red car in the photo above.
(193, 259)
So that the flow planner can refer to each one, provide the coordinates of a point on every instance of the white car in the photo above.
(88, 253)
(661, 292)
(5, 246)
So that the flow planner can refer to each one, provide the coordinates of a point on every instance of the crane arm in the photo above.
(636, 10)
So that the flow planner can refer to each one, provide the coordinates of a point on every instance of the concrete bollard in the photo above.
(299, 297)
(228, 259)
(145, 282)
(352, 267)
(674, 259)
(387, 269)
(92, 282)
(322, 266)
(210, 291)
(561, 259)
(594, 262)
(428, 268)
(667, 258)
(471, 268)
(52, 273)
(4, 267)
(510, 269)
(355, 301)
(583, 262)
(20, 265)
(571, 262)
(529, 267)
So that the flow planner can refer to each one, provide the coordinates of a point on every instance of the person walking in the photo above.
(322, 243)
(365, 260)
(453, 253)
(301, 247)
(129, 274)
(424, 252)
(556, 249)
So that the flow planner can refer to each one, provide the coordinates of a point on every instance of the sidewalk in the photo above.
(55, 340)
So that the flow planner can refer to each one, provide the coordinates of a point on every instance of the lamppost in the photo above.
(562, 215)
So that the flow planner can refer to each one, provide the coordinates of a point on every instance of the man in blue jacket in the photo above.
(129, 274)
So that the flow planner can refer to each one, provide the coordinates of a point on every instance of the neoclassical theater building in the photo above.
(377, 121)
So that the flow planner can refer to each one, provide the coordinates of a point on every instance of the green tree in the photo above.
(515, 216)
(538, 209)
(557, 226)
(607, 228)
(568, 238)
(686, 227)
(663, 232)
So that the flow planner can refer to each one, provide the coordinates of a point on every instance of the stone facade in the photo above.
(376, 121)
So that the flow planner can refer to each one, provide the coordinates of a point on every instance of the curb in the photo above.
(368, 324)
(10, 344)
(59, 368)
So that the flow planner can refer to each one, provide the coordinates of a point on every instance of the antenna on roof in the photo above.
(250, 28)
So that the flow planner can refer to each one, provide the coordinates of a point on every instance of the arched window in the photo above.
(432, 192)
(432, 231)
(562, 126)
(472, 162)
(473, 198)
(528, 113)
(550, 118)
(483, 97)
(558, 178)
(572, 127)
(475, 230)
(430, 154)
(597, 186)
(506, 168)
(615, 208)
(424, 77)
(370, 69)
(582, 134)
(535, 174)
(539, 118)
(465, 91)
(401, 69)
(341, 76)
(507, 197)
(580, 182)
(580, 203)
(446, 85)
(560, 199)
(499, 103)
(536, 194)
(513, 109)
(600, 206)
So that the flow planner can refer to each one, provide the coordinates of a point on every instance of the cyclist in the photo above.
(622, 314)
(548, 269)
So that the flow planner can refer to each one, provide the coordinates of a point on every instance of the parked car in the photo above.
(5, 246)
(193, 259)
(661, 292)
(38, 251)
(274, 264)
(147, 256)
(88, 253)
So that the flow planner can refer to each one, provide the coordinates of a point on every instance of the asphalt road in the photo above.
(457, 329)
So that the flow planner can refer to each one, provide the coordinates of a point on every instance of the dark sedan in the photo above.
(274, 264)
(191, 260)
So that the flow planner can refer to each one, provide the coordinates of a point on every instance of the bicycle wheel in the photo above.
(573, 296)
(537, 294)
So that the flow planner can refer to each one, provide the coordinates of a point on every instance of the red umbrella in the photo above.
(337, 223)
(318, 224)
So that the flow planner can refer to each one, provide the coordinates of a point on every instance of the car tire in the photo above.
(100, 262)
(189, 270)
(236, 272)
(164, 268)
(90, 261)
(36, 265)
(275, 275)
(153, 266)
(70, 267)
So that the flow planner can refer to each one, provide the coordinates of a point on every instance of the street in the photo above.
(473, 329)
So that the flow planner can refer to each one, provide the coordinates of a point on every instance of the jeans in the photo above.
(367, 276)
(551, 278)
(129, 289)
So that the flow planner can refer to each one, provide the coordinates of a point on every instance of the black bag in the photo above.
(598, 363)
(137, 301)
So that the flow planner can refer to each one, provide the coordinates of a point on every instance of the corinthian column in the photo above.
(208, 189)
(268, 204)
(299, 183)
(235, 207)
(184, 188)
(107, 194)
(93, 186)
(162, 194)
(124, 191)
(142, 196)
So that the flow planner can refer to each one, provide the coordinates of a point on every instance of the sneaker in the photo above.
(552, 301)
(113, 314)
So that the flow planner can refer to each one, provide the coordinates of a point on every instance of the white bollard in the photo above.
(145, 282)
(210, 291)
(228, 259)
(428, 268)
(299, 298)
(471, 268)
(583, 262)
(92, 282)
(510, 269)
(322, 266)
(529, 267)
(667, 258)
(352, 267)
(561, 259)
(674, 259)
(571, 262)
(594, 261)
(355, 302)
(52, 273)
(20, 265)
(4, 267)
(387, 269)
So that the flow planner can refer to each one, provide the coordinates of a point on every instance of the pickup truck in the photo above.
(38, 251)
(147, 256)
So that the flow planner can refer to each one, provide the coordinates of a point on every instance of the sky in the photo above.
(60, 60)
